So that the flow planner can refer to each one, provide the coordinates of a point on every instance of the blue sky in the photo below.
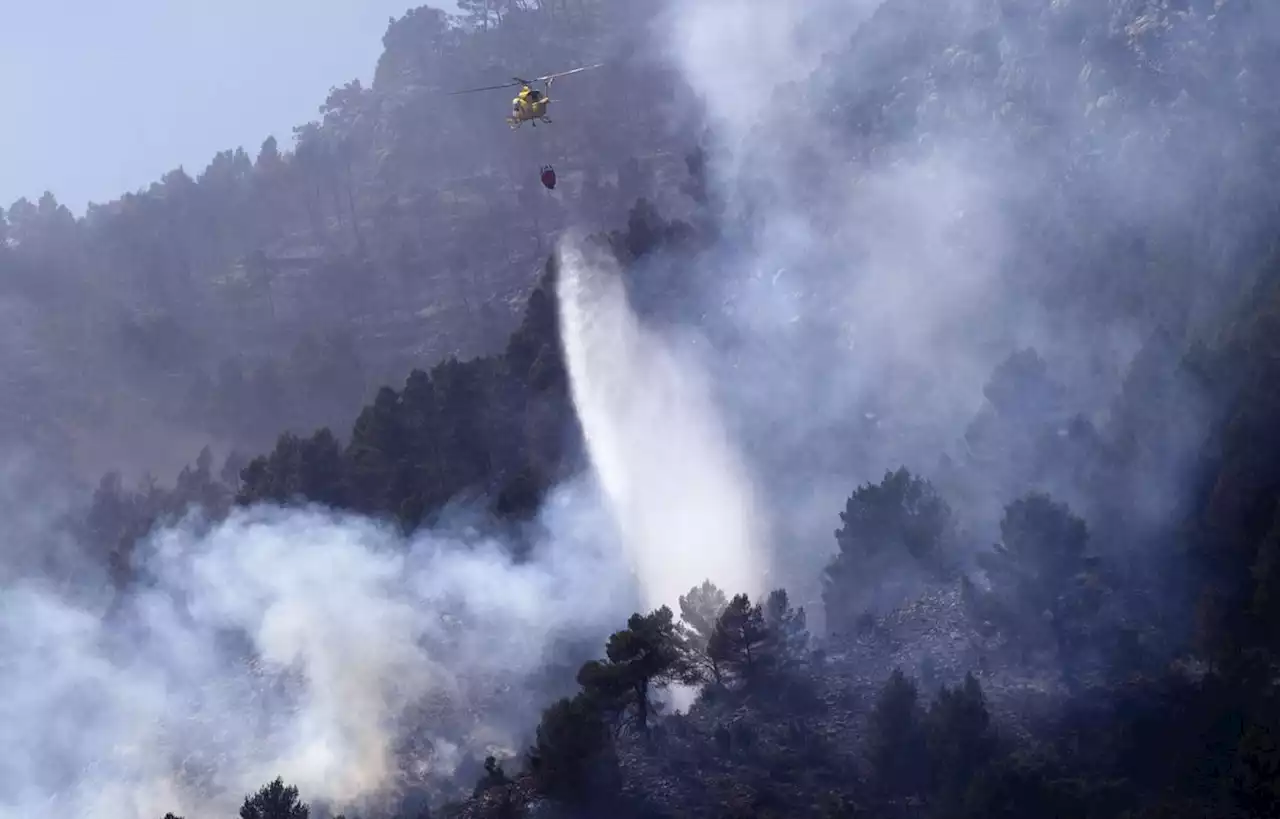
(100, 97)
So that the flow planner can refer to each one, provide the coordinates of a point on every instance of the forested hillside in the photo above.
(985, 290)
(279, 286)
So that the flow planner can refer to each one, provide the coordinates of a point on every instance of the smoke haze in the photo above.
(244, 661)
(864, 288)
(894, 237)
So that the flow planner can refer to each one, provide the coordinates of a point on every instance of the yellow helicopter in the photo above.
(530, 104)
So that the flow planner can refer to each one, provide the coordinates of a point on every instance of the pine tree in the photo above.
(788, 635)
(740, 642)
(961, 740)
(700, 610)
(645, 656)
(896, 743)
(275, 800)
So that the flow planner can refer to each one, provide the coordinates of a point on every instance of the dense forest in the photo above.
(984, 292)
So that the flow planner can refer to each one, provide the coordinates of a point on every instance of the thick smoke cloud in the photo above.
(865, 286)
(294, 643)
(887, 185)
(736, 53)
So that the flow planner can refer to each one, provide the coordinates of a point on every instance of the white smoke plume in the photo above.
(862, 284)
(872, 158)
(358, 637)
(684, 506)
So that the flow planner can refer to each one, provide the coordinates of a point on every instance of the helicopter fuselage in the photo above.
(525, 108)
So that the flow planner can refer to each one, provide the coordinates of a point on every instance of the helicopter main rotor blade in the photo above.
(567, 73)
(487, 88)
(520, 81)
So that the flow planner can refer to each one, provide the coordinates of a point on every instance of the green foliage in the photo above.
(960, 740)
(1046, 588)
(740, 644)
(491, 425)
(789, 636)
(118, 518)
(411, 451)
(298, 469)
(1014, 788)
(1255, 779)
(897, 741)
(902, 521)
(1233, 540)
(700, 611)
(647, 655)
(752, 645)
(573, 756)
(275, 800)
